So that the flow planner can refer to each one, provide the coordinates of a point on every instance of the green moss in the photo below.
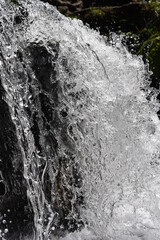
(154, 56)
(15, 2)
(97, 13)
(155, 4)
(150, 49)
(146, 33)
(99, 18)
(73, 16)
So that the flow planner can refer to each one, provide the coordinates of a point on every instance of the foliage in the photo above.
(155, 4)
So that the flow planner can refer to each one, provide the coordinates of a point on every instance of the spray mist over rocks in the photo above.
(79, 141)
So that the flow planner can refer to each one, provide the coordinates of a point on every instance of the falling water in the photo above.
(85, 139)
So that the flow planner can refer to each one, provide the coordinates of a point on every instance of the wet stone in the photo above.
(2, 188)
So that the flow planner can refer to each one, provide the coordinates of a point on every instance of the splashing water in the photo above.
(89, 139)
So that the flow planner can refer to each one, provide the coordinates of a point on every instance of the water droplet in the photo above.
(6, 230)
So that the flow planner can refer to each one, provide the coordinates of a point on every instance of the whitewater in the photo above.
(89, 137)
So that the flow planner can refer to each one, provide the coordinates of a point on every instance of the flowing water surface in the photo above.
(87, 137)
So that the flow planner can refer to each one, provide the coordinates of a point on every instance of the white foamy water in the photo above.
(112, 132)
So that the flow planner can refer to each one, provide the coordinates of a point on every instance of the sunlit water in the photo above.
(110, 135)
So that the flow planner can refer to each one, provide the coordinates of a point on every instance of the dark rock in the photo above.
(14, 210)
(2, 188)
(91, 3)
(66, 7)
(55, 122)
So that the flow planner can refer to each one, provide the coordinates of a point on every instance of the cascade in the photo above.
(79, 139)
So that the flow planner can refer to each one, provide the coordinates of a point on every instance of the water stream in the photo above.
(81, 159)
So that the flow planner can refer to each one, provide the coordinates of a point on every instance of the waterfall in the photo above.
(79, 139)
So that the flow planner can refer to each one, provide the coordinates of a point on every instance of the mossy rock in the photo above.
(154, 56)
(131, 17)
(88, 3)
(97, 13)
(150, 49)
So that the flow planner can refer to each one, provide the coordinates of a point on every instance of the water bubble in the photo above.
(6, 230)
(4, 221)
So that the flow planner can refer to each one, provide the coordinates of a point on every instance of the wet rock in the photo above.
(55, 121)
(66, 7)
(14, 206)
